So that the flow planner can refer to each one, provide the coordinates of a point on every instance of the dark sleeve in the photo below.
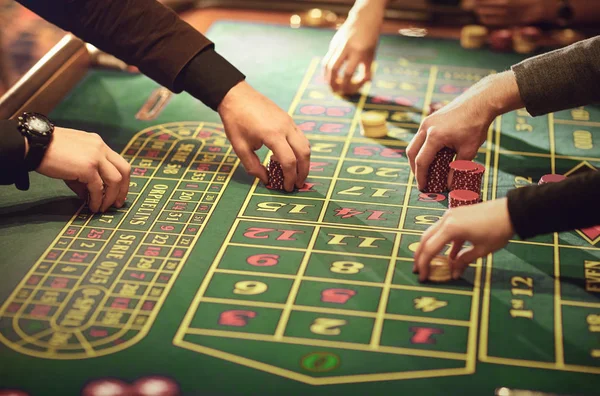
(12, 153)
(561, 79)
(148, 35)
(556, 207)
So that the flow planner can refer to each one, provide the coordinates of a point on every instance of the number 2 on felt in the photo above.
(326, 326)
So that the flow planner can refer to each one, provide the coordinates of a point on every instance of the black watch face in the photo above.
(38, 125)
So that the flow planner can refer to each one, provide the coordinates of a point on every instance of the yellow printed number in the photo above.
(346, 267)
(327, 326)
(521, 181)
(594, 322)
(249, 288)
(427, 219)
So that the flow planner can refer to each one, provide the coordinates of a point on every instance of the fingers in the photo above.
(431, 248)
(78, 188)
(301, 148)
(465, 257)
(333, 68)
(426, 236)
(250, 161)
(111, 178)
(95, 187)
(349, 71)
(124, 169)
(286, 157)
(456, 247)
(423, 159)
(415, 146)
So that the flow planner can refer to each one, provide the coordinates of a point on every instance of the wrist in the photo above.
(229, 99)
(503, 94)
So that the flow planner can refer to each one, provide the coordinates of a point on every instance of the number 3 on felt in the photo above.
(327, 326)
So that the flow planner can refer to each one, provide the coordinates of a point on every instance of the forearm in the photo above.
(555, 207)
(150, 36)
(369, 6)
(561, 79)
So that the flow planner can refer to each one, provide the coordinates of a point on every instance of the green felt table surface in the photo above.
(226, 287)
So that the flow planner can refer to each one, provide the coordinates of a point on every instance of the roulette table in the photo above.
(214, 284)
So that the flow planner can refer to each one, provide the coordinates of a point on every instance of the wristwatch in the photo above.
(565, 13)
(38, 131)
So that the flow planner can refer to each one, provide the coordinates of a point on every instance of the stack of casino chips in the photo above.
(458, 198)
(437, 177)
(473, 36)
(275, 174)
(551, 178)
(374, 124)
(466, 175)
(439, 270)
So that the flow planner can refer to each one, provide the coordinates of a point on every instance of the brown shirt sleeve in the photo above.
(561, 79)
(143, 33)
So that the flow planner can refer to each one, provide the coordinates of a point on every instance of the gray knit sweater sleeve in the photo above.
(561, 79)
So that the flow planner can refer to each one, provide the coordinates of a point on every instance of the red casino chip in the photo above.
(12, 392)
(155, 386)
(466, 175)
(275, 175)
(437, 176)
(551, 178)
(107, 387)
(458, 198)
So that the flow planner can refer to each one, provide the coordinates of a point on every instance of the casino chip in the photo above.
(374, 124)
(435, 106)
(473, 36)
(466, 175)
(551, 178)
(526, 40)
(107, 387)
(275, 175)
(155, 386)
(12, 392)
(458, 198)
(439, 270)
(501, 40)
(437, 176)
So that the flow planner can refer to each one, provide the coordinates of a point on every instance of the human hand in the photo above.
(515, 12)
(486, 225)
(87, 165)
(462, 124)
(354, 46)
(251, 120)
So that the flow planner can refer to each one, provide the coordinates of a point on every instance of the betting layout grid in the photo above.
(99, 286)
(328, 268)
(522, 288)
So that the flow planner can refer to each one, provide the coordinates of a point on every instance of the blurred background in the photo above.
(25, 38)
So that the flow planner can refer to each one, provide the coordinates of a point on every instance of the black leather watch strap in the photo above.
(34, 156)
